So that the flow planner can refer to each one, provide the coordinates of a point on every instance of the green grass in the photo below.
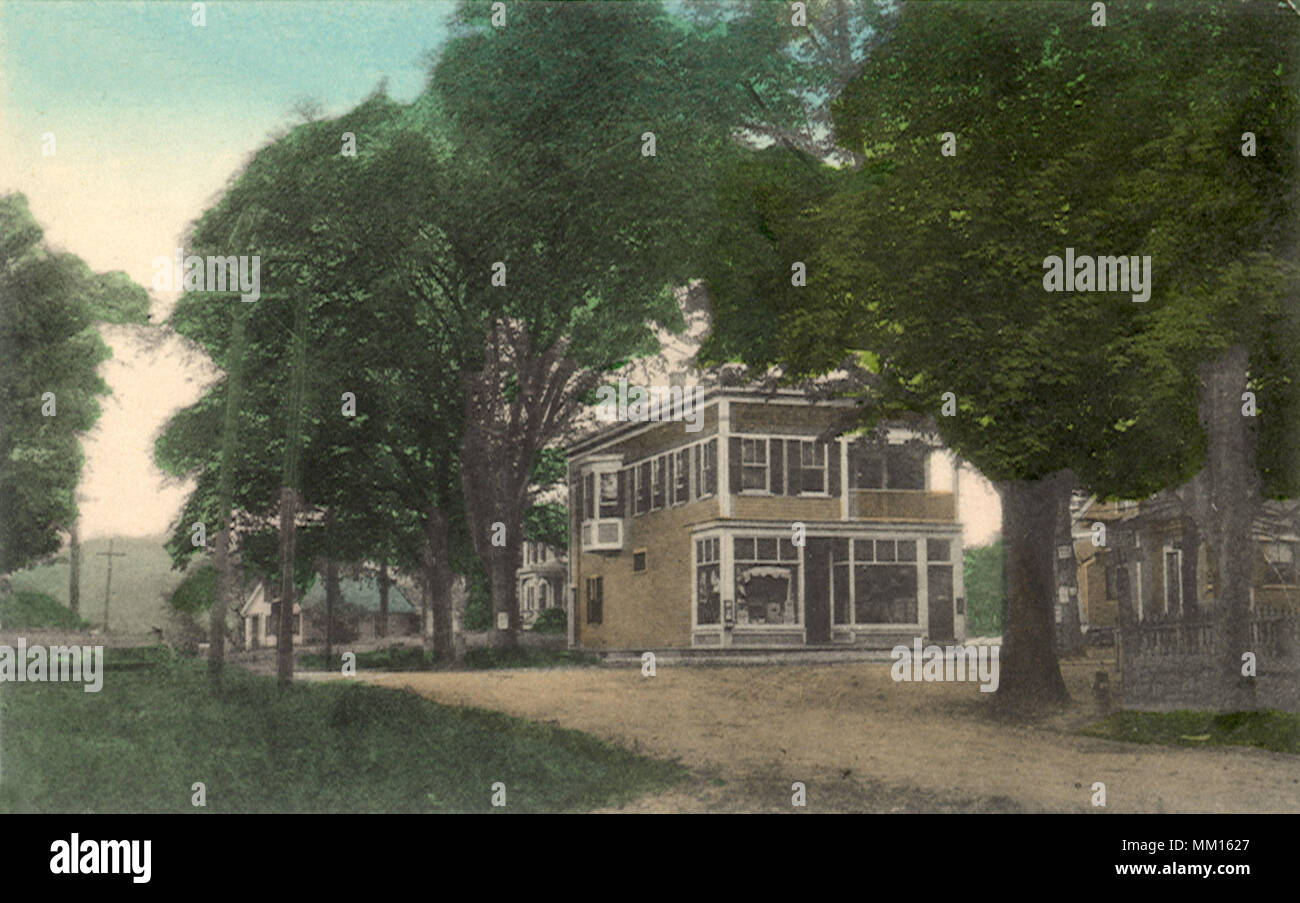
(413, 658)
(393, 658)
(153, 731)
(527, 658)
(1277, 731)
(29, 609)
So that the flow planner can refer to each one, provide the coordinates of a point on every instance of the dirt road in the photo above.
(861, 742)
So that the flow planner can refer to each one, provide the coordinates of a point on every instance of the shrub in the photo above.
(478, 616)
(551, 620)
(984, 590)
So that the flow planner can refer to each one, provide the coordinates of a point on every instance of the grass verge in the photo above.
(142, 742)
(1276, 731)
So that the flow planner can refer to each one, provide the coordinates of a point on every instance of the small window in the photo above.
(682, 477)
(885, 550)
(1173, 580)
(812, 463)
(1279, 558)
(595, 600)
(638, 561)
(709, 471)
(753, 459)
(657, 483)
(643, 487)
(906, 549)
(610, 504)
(938, 549)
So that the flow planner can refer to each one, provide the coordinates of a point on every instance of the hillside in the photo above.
(141, 582)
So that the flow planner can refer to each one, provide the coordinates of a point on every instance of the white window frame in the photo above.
(824, 467)
(758, 442)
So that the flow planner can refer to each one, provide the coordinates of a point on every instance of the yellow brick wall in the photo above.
(649, 609)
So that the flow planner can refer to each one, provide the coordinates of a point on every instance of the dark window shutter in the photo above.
(793, 472)
(625, 491)
(577, 498)
(733, 466)
(833, 467)
(775, 466)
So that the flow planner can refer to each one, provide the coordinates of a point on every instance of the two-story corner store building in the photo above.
(688, 539)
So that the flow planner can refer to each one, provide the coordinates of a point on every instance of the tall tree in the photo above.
(50, 353)
(581, 144)
(989, 146)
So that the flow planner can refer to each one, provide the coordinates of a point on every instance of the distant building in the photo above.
(540, 580)
(357, 616)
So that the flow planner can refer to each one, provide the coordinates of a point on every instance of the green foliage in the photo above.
(148, 732)
(478, 614)
(27, 609)
(49, 304)
(197, 590)
(548, 523)
(1277, 731)
(551, 620)
(984, 593)
(919, 257)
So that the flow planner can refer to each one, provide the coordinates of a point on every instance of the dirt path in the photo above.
(861, 742)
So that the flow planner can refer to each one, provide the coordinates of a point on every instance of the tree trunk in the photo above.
(1069, 636)
(1234, 499)
(1030, 673)
(74, 561)
(227, 590)
(381, 627)
(438, 579)
(331, 606)
(288, 493)
(284, 630)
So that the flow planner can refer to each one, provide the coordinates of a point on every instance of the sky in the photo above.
(121, 122)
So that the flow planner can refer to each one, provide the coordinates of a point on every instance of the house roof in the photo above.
(363, 592)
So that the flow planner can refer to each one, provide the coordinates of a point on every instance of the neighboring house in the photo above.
(359, 610)
(1153, 585)
(682, 538)
(540, 580)
(1154, 557)
(261, 617)
(357, 617)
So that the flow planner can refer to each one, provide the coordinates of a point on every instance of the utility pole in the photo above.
(108, 586)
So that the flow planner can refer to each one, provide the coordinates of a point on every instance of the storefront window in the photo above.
(885, 592)
(708, 582)
(767, 588)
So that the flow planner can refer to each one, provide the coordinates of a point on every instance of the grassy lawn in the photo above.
(1277, 731)
(155, 729)
(413, 658)
(30, 609)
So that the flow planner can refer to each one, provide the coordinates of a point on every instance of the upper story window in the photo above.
(812, 466)
(682, 477)
(611, 505)
(890, 467)
(753, 461)
(658, 482)
(643, 487)
(1279, 558)
(706, 469)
